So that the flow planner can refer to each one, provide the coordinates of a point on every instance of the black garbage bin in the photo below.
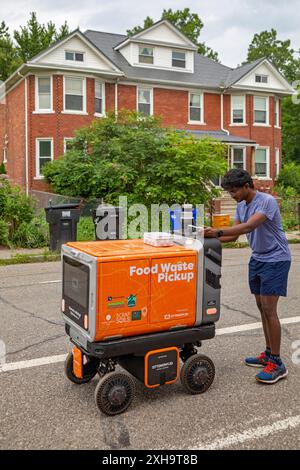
(109, 222)
(62, 222)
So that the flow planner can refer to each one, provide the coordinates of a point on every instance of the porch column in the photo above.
(252, 161)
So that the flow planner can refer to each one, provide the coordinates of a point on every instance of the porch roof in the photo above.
(222, 137)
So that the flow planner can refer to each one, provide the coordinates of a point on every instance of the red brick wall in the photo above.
(127, 97)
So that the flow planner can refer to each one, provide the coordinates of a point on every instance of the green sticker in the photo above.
(131, 300)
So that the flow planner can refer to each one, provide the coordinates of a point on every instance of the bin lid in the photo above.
(63, 207)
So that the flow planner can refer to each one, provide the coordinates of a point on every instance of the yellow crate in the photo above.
(220, 220)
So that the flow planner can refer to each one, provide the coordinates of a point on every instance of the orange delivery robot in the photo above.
(141, 307)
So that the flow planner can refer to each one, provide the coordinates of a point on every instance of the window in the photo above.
(261, 78)
(74, 56)
(276, 113)
(43, 94)
(68, 143)
(178, 59)
(74, 94)
(277, 162)
(99, 108)
(238, 158)
(237, 109)
(145, 101)
(261, 115)
(195, 107)
(262, 162)
(44, 153)
(146, 55)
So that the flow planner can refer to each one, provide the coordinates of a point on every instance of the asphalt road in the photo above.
(41, 409)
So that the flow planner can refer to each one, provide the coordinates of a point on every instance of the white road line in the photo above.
(253, 326)
(42, 361)
(49, 282)
(250, 434)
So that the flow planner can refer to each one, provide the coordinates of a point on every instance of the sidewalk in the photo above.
(6, 253)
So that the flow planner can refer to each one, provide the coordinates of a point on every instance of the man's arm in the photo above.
(230, 238)
(239, 229)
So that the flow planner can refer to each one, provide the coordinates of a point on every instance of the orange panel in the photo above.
(77, 363)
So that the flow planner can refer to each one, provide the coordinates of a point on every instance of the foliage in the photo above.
(2, 169)
(289, 177)
(85, 229)
(188, 23)
(29, 41)
(18, 224)
(134, 156)
(289, 206)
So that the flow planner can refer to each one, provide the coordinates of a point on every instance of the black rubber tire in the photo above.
(89, 371)
(197, 374)
(116, 383)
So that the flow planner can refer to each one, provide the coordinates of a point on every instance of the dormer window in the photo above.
(261, 78)
(178, 59)
(146, 55)
(74, 56)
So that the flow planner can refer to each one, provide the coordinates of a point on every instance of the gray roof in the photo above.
(221, 136)
(238, 73)
(207, 73)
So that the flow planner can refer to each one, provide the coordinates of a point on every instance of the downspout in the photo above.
(116, 98)
(26, 135)
(222, 126)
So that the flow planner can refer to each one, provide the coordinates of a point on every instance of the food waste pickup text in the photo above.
(166, 272)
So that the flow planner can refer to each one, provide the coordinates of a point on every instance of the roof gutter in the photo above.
(26, 134)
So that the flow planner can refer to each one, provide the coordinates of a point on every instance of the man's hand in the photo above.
(210, 232)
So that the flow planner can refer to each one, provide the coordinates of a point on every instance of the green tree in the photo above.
(188, 23)
(281, 54)
(135, 157)
(35, 37)
(9, 60)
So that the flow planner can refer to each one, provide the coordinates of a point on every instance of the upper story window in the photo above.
(145, 101)
(261, 111)
(146, 55)
(238, 109)
(196, 107)
(276, 112)
(74, 56)
(261, 78)
(99, 98)
(43, 94)
(178, 59)
(74, 98)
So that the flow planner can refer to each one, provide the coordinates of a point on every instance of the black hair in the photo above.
(236, 179)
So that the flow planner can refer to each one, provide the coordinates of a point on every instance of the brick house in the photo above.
(157, 71)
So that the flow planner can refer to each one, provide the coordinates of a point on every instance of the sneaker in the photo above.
(259, 361)
(272, 373)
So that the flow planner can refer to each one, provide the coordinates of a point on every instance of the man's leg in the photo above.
(273, 327)
(264, 321)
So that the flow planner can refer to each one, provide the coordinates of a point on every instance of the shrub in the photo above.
(290, 177)
(134, 156)
(4, 233)
(2, 169)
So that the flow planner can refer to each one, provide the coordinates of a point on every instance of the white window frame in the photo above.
(74, 60)
(38, 174)
(67, 139)
(4, 154)
(151, 97)
(277, 113)
(39, 110)
(277, 161)
(153, 55)
(261, 75)
(258, 124)
(103, 98)
(234, 147)
(267, 177)
(174, 66)
(67, 111)
(201, 94)
(244, 123)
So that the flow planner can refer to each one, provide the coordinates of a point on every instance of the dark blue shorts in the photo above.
(269, 278)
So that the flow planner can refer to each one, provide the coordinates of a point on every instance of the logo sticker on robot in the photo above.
(131, 300)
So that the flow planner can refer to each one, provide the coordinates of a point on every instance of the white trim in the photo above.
(201, 122)
(37, 154)
(145, 87)
(244, 123)
(277, 112)
(39, 110)
(234, 147)
(60, 69)
(251, 89)
(267, 177)
(70, 111)
(102, 97)
(277, 161)
(155, 67)
(67, 139)
(26, 138)
(267, 123)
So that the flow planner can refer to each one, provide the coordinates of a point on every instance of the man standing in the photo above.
(258, 217)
